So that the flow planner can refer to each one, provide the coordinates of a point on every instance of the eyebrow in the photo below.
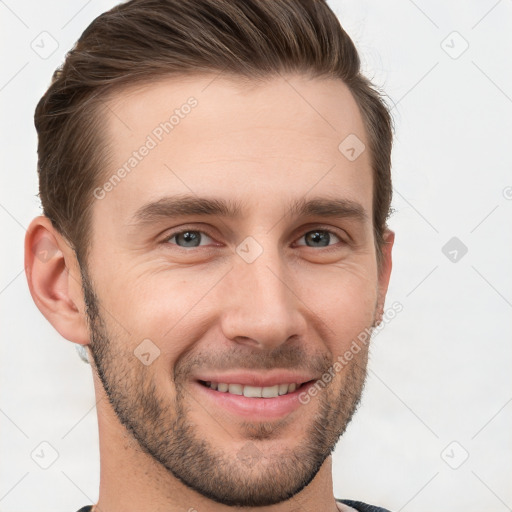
(328, 207)
(187, 205)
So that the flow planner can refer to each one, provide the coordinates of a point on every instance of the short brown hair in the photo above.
(141, 40)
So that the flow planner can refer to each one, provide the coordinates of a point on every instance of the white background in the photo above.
(439, 372)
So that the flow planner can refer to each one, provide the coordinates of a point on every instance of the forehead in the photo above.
(219, 136)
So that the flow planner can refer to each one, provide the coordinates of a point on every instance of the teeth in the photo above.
(283, 389)
(236, 389)
(253, 391)
(270, 391)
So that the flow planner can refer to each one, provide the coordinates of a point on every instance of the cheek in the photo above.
(174, 308)
(163, 307)
(344, 299)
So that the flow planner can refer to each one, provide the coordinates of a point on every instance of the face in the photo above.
(231, 264)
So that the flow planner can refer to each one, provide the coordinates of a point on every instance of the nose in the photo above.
(264, 307)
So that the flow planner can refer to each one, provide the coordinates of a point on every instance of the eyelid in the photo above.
(184, 229)
(328, 229)
(302, 232)
(312, 226)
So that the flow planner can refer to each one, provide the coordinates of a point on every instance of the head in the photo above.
(215, 182)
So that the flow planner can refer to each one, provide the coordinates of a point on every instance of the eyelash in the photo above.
(167, 239)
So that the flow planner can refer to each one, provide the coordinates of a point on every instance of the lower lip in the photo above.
(255, 408)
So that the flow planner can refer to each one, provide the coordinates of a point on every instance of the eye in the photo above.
(319, 238)
(191, 238)
(188, 238)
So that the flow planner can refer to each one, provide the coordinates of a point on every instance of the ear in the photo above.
(54, 280)
(384, 273)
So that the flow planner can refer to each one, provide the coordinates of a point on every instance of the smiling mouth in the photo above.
(255, 391)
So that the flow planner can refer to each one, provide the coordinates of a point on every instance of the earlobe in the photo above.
(54, 280)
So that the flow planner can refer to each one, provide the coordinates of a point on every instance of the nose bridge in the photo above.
(263, 309)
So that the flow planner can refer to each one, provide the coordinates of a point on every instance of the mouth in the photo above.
(273, 399)
(248, 391)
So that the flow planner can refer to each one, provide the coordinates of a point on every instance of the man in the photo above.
(215, 180)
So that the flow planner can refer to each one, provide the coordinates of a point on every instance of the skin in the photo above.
(298, 305)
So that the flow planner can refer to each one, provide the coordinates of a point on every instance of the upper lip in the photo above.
(266, 379)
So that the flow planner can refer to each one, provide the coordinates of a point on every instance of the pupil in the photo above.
(318, 236)
(190, 236)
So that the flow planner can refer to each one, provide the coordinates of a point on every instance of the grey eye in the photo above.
(318, 238)
(188, 238)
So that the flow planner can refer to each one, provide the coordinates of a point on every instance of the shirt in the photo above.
(362, 507)
(357, 505)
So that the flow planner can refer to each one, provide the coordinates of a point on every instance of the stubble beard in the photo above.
(165, 431)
